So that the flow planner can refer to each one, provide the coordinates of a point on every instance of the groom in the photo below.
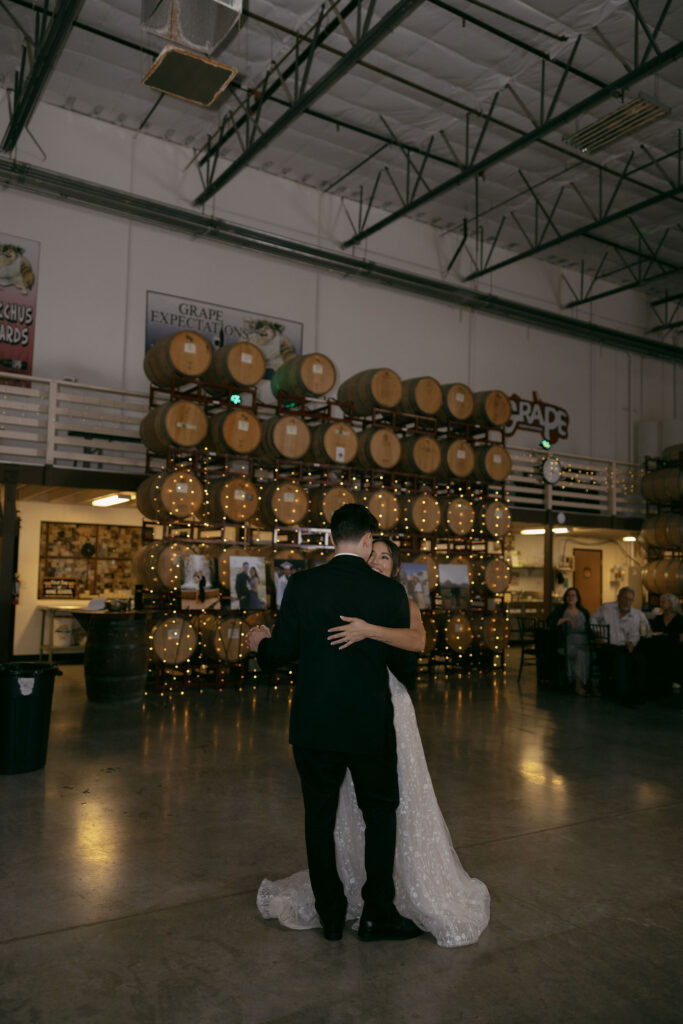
(342, 717)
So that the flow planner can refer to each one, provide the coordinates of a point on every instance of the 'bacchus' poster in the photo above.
(18, 290)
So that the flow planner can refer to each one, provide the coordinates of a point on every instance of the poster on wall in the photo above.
(278, 339)
(18, 291)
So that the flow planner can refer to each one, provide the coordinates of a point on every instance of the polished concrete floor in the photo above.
(130, 864)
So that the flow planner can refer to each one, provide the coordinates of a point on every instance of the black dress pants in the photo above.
(376, 783)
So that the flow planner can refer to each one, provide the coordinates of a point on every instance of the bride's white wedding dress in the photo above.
(432, 887)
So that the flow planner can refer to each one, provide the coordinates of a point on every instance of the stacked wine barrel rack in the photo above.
(229, 463)
(662, 533)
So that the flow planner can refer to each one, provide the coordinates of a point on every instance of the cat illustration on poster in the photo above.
(15, 269)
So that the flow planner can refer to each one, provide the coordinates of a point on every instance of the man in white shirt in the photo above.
(627, 625)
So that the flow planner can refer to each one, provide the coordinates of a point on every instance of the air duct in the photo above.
(202, 25)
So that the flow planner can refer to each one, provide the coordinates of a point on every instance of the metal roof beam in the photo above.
(366, 40)
(144, 210)
(549, 125)
(50, 38)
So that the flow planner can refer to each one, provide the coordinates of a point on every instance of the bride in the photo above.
(432, 887)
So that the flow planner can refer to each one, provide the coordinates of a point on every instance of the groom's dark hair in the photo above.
(350, 523)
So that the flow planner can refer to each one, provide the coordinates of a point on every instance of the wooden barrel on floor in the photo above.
(231, 499)
(385, 507)
(492, 463)
(312, 375)
(182, 356)
(457, 459)
(379, 448)
(285, 437)
(234, 430)
(223, 638)
(285, 503)
(371, 389)
(159, 566)
(238, 365)
(422, 512)
(420, 454)
(323, 502)
(179, 424)
(491, 573)
(333, 442)
(459, 632)
(421, 396)
(493, 632)
(174, 640)
(664, 485)
(495, 519)
(174, 494)
(115, 659)
(491, 408)
(458, 403)
(458, 515)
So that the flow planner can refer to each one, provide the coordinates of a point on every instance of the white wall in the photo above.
(95, 271)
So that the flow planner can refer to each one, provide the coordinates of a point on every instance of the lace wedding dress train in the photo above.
(432, 887)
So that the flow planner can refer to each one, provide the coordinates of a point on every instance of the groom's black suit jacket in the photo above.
(341, 699)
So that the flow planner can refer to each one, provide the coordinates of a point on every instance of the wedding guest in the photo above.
(665, 646)
(621, 658)
(572, 624)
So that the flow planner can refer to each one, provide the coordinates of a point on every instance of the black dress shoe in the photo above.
(333, 931)
(392, 927)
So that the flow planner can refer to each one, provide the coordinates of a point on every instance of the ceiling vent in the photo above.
(625, 120)
(189, 76)
(202, 25)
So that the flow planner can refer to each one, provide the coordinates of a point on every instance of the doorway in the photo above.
(588, 577)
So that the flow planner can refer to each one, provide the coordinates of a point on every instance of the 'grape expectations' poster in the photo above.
(18, 291)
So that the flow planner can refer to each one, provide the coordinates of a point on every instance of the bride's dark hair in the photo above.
(394, 552)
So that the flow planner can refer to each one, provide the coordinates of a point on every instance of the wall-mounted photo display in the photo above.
(199, 581)
(248, 583)
(18, 295)
(415, 578)
(283, 570)
(86, 560)
(454, 584)
(277, 338)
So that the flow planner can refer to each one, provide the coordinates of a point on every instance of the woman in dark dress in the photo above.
(572, 624)
(665, 645)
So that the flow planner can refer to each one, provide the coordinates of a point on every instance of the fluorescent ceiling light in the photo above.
(631, 539)
(625, 120)
(111, 499)
(541, 530)
(560, 529)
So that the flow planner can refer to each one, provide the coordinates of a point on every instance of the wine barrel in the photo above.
(647, 576)
(492, 573)
(458, 403)
(284, 502)
(223, 557)
(431, 628)
(664, 485)
(371, 389)
(183, 356)
(233, 499)
(312, 375)
(457, 459)
(238, 365)
(665, 576)
(181, 423)
(318, 557)
(458, 515)
(174, 640)
(493, 632)
(324, 502)
(422, 512)
(384, 506)
(420, 454)
(673, 453)
(176, 494)
(158, 566)
(421, 396)
(491, 408)
(664, 530)
(235, 430)
(333, 442)
(459, 632)
(285, 437)
(492, 463)
(379, 448)
(115, 659)
(495, 519)
(223, 638)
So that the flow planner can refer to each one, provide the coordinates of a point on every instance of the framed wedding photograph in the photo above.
(454, 584)
(283, 570)
(199, 582)
(415, 578)
(248, 583)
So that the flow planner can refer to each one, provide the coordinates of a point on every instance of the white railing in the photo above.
(76, 426)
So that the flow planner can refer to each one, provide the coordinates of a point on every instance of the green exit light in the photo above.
(545, 443)
(236, 399)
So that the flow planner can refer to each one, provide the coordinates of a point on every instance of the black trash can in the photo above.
(25, 705)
